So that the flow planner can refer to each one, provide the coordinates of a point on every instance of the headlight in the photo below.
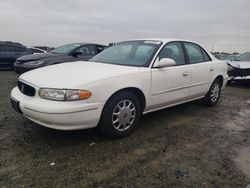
(38, 62)
(64, 94)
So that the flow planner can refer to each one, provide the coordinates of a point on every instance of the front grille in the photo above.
(26, 89)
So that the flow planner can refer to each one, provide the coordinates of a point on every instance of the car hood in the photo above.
(240, 64)
(35, 57)
(75, 75)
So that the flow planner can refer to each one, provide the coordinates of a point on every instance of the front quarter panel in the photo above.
(104, 89)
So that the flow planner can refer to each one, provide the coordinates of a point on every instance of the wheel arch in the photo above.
(220, 78)
(136, 91)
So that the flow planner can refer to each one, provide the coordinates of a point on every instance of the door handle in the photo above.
(211, 69)
(185, 74)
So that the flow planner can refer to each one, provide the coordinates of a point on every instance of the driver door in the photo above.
(169, 85)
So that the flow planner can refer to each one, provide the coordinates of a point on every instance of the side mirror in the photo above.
(76, 54)
(164, 62)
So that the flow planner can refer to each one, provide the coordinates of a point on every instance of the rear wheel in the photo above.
(213, 95)
(120, 115)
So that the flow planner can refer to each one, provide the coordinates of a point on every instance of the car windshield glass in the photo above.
(244, 57)
(130, 53)
(230, 57)
(65, 49)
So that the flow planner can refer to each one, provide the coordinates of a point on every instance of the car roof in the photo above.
(165, 40)
(11, 43)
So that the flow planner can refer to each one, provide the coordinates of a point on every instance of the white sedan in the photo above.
(115, 87)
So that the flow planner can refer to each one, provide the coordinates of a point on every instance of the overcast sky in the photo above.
(221, 25)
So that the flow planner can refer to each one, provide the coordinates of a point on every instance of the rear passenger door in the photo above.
(201, 69)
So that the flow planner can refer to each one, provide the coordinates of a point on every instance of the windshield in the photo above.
(244, 57)
(230, 57)
(65, 49)
(131, 53)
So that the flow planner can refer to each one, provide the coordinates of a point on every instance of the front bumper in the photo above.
(238, 73)
(59, 115)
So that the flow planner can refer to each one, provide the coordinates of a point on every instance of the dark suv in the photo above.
(9, 52)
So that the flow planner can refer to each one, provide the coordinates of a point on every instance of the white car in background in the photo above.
(239, 67)
(115, 87)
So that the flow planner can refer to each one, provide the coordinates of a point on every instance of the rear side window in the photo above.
(173, 51)
(12, 48)
(194, 53)
(205, 55)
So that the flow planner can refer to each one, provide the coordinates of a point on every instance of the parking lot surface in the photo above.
(184, 146)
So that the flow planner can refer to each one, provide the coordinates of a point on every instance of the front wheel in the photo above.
(120, 115)
(213, 95)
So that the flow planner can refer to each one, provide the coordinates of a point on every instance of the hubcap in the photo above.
(123, 115)
(215, 91)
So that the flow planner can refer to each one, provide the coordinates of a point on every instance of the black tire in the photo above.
(209, 100)
(106, 125)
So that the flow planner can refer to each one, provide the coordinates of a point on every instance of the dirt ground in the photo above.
(185, 146)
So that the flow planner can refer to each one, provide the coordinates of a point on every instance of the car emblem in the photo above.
(22, 88)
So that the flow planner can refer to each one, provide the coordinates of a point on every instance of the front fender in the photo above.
(104, 89)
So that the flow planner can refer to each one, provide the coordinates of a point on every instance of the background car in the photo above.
(66, 53)
(239, 67)
(119, 84)
(9, 52)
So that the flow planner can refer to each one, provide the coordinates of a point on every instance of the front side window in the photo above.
(99, 49)
(194, 53)
(130, 53)
(87, 50)
(173, 51)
